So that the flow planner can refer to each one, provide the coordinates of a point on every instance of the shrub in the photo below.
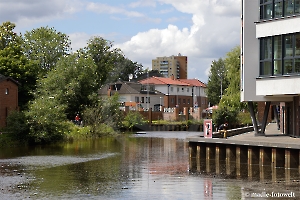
(17, 128)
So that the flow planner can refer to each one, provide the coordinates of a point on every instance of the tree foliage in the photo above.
(14, 64)
(46, 46)
(230, 104)
(231, 98)
(104, 56)
(104, 111)
(216, 80)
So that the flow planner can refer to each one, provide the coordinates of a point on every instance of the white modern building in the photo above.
(270, 59)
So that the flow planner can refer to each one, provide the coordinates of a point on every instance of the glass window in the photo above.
(297, 6)
(297, 66)
(267, 48)
(278, 7)
(288, 66)
(277, 47)
(268, 11)
(142, 99)
(288, 43)
(289, 7)
(266, 68)
(277, 67)
(137, 99)
(297, 44)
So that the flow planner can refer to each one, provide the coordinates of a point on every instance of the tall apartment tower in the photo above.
(270, 61)
(171, 66)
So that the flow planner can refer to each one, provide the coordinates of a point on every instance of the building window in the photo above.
(266, 9)
(278, 8)
(266, 56)
(171, 89)
(188, 89)
(142, 99)
(147, 99)
(280, 55)
(183, 101)
(188, 101)
(177, 89)
(6, 91)
(137, 99)
(182, 89)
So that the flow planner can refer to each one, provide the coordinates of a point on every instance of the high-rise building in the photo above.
(270, 61)
(171, 66)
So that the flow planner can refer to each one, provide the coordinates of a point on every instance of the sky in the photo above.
(202, 30)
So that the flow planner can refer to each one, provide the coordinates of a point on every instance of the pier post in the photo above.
(217, 159)
(287, 165)
(238, 161)
(230, 156)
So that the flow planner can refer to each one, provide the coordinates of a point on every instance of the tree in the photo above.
(217, 81)
(46, 46)
(230, 104)
(105, 57)
(123, 68)
(60, 95)
(14, 64)
(231, 97)
(104, 111)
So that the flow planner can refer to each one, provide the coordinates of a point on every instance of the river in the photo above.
(155, 165)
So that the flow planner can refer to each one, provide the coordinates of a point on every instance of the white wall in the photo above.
(277, 27)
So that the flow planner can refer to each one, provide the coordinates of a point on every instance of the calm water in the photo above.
(148, 166)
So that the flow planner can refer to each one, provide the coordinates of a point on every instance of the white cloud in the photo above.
(104, 8)
(30, 12)
(214, 32)
(143, 3)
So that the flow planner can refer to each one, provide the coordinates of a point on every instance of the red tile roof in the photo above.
(193, 82)
(164, 81)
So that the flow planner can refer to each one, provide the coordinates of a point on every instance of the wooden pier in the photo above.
(273, 152)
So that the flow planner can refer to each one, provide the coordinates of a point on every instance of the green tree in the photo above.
(231, 97)
(104, 112)
(105, 57)
(14, 64)
(123, 68)
(217, 81)
(45, 46)
(59, 96)
(230, 104)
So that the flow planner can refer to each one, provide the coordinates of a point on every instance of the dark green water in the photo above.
(149, 166)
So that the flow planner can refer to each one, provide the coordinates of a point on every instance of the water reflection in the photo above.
(254, 172)
(150, 166)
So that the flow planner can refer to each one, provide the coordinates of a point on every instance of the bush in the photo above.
(133, 118)
(17, 128)
(222, 115)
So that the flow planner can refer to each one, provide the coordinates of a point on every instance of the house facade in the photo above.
(158, 92)
(270, 60)
(8, 98)
(179, 93)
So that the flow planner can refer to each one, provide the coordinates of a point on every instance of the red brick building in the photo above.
(8, 98)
